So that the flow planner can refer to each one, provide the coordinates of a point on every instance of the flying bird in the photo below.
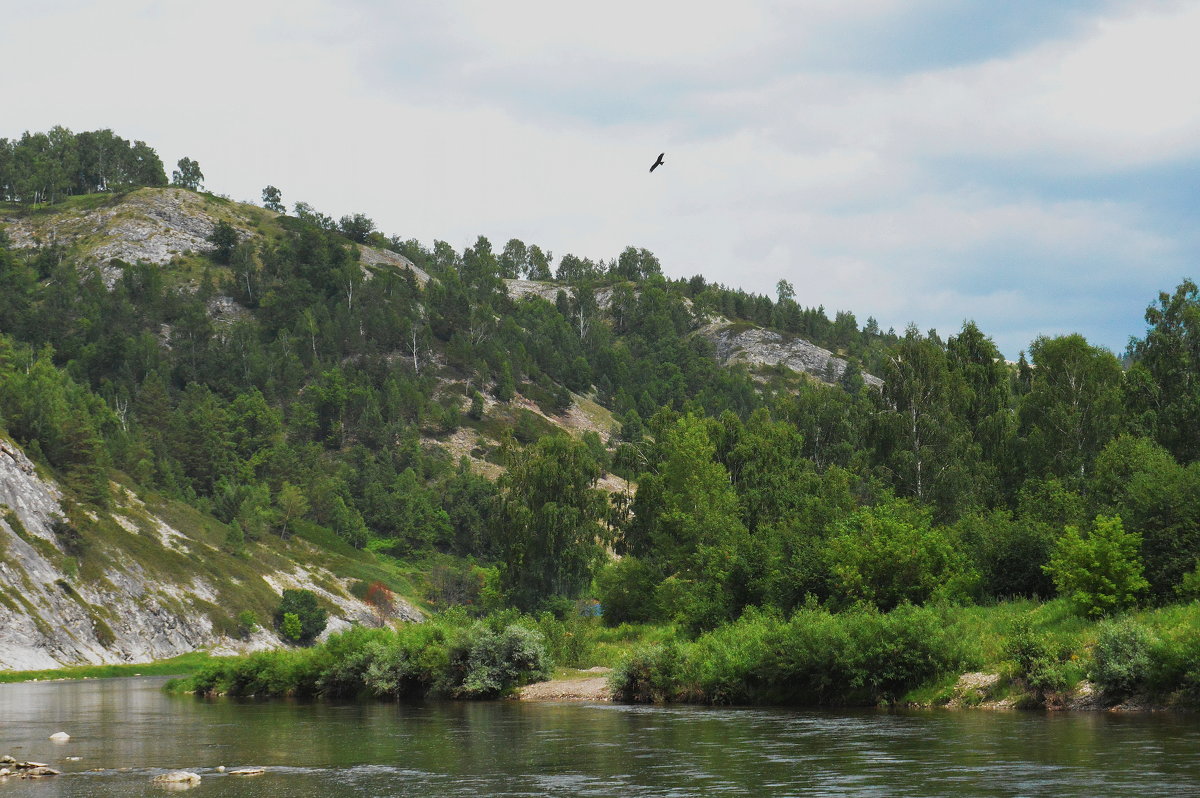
(659, 162)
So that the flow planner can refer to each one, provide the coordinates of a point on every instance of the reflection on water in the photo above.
(125, 731)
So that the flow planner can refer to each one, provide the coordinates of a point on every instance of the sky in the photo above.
(1032, 166)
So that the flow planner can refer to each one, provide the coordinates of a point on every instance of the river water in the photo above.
(124, 731)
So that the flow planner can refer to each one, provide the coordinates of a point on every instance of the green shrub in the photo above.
(1099, 571)
(444, 656)
(310, 618)
(1039, 661)
(649, 675)
(1175, 662)
(409, 663)
(1121, 658)
(247, 621)
(891, 553)
(858, 657)
(569, 641)
(492, 663)
(290, 628)
(348, 656)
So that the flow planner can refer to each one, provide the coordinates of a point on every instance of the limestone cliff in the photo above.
(81, 586)
(158, 226)
(755, 346)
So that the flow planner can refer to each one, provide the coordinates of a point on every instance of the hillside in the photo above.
(306, 399)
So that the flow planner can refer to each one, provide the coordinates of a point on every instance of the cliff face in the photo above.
(129, 586)
(755, 346)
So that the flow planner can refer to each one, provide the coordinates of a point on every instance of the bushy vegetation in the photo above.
(451, 656)
(860, 656)
(1121, 656)
(299, 617)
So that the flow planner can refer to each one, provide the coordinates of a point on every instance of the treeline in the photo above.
(46, 167)
(961, 479)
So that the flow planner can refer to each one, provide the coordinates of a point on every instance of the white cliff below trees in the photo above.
(128, 587)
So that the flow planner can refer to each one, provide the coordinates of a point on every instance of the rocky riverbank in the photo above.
(589, 685)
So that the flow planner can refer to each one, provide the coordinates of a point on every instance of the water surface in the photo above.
(130, 730)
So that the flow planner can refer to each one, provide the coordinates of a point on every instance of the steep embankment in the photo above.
(130, 585)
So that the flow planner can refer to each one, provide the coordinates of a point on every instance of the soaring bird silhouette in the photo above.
(659, 162)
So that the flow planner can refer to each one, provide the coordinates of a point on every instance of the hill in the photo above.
(489, 429)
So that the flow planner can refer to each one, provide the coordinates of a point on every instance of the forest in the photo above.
(964, 480)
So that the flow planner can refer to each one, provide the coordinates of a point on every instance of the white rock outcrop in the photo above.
(49, 617)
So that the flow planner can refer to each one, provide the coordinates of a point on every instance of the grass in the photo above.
(182, 665)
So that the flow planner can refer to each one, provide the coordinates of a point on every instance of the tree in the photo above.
(272, 199)
(918, 437)
(1164, 393)
(636, 264)
(686, 524)
(539, 263)
(1158, 499)
(1072, 408)
(292, 506)
(188, 175)
(548, 521)
(514, 260)
(290, 628)
(310, 618)
(357, 227)
(891, 553)
(224, 238)
(785, 291)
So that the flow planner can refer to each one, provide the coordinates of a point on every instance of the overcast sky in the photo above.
(1030, 165)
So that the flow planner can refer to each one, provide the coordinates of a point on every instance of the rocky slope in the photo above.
(754, 346)
(156, 225)
(127, 586)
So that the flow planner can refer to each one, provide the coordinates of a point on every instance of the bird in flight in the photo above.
(659, 162)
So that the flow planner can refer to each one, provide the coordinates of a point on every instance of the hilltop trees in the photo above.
(272, 199)
(188, 175)
(46, 167)
(1073, 406)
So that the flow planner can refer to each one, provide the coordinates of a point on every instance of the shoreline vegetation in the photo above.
(175, 666)
(1020, 654)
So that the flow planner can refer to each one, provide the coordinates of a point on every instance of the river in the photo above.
(124, 731)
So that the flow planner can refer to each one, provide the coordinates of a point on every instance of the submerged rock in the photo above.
(60, 737)
(177, 777)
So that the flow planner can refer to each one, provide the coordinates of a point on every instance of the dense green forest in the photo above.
(964, 479)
